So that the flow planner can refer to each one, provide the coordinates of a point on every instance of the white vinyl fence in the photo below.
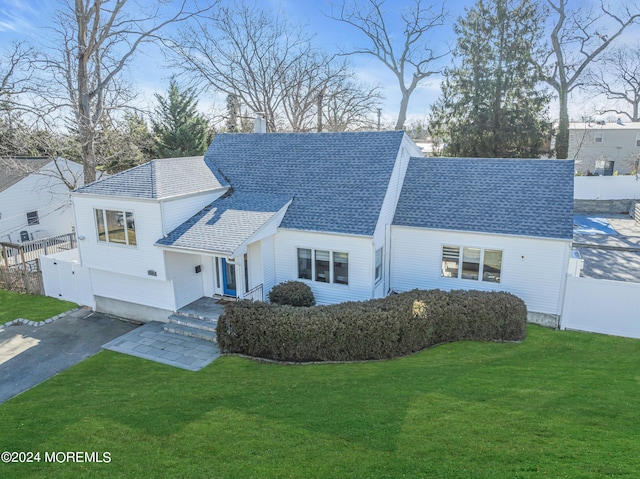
(602, 306)
(64, 278)
(606, 187)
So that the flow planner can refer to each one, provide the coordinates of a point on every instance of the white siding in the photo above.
(268, 263)
(360, 250)
(256, 266)
(533, 269)
(181, 269)
(388, 210)
(177, 211)
(123, 259)
(148, 292)
(40, 192)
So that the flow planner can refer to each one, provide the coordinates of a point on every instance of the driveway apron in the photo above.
(30, 355)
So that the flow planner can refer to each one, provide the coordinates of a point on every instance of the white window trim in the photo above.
(331, 266)
(126, 244)
(481, 264)
(34, 220)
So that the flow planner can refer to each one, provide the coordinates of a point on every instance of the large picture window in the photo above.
(116, 226)
(477, 263)
(323, 266)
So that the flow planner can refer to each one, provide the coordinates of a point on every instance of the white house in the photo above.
(487, 224)
(604, 148)
(34, 200)
(328, 209)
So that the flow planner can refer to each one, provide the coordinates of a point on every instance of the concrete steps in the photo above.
(187, 325)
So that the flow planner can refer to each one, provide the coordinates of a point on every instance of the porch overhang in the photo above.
(229, 225)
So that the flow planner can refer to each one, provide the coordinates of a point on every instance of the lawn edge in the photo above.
(30, 322)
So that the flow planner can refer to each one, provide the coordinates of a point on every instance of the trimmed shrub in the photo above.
(377, 329)
(292, 293)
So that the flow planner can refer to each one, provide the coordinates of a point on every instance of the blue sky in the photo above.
(28, 20)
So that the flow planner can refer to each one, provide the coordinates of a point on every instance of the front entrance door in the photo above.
(228, 278)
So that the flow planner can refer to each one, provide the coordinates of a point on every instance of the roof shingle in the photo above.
(226, 223)
(497, 195)
(338, 180)
(158, 179)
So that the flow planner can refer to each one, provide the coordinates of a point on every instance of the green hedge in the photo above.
(377, 329)
(292, 293)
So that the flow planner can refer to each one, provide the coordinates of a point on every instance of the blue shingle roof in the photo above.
(338, 180)
(505, 196)
(226, 223)
(158, 179)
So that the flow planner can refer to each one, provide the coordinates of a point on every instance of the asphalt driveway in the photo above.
(30, 355)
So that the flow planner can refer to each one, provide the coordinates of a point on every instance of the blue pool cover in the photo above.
(592, 225)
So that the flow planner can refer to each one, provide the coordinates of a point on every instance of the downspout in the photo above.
(565, 280)
(387, 259)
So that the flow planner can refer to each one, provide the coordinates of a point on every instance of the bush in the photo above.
(377, 329)
(292, 293)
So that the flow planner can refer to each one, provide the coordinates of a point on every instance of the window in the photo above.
(450, 261)
(492, 265)
(637, 139)
(477, 263)
(378, 270)
(116, 227)
(32, 218)
(304, 263)
(323, 266)
(341, 268)
(246, 272)
(470, 263)
(598, 137)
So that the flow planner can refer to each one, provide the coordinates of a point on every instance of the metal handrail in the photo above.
(253, 295)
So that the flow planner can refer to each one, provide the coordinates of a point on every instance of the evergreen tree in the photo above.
(180, 129)
(491, 104)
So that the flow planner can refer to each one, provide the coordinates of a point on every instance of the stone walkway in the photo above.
(152, 341)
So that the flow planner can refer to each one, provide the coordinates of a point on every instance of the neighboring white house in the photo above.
(34, 200)
(604, 148)
(261, 209)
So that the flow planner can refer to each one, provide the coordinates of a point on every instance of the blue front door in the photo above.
(228, 278)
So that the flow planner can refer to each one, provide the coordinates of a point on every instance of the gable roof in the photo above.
(505, 196)
(224, 225)
(158, 179)
(337, 180)
(13, 170)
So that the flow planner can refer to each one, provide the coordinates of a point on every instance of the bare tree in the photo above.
(245, 52)
(617, 76)
(260, 60)
(350, 105)
(577, 39)
(95, 41)
(15, 75)
(324, 95)
(411, 59)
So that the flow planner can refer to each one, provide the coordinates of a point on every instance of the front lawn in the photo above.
(559, 405)
(36, 308)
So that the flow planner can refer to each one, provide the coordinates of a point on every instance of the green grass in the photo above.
(560, 405)
(36, 308)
